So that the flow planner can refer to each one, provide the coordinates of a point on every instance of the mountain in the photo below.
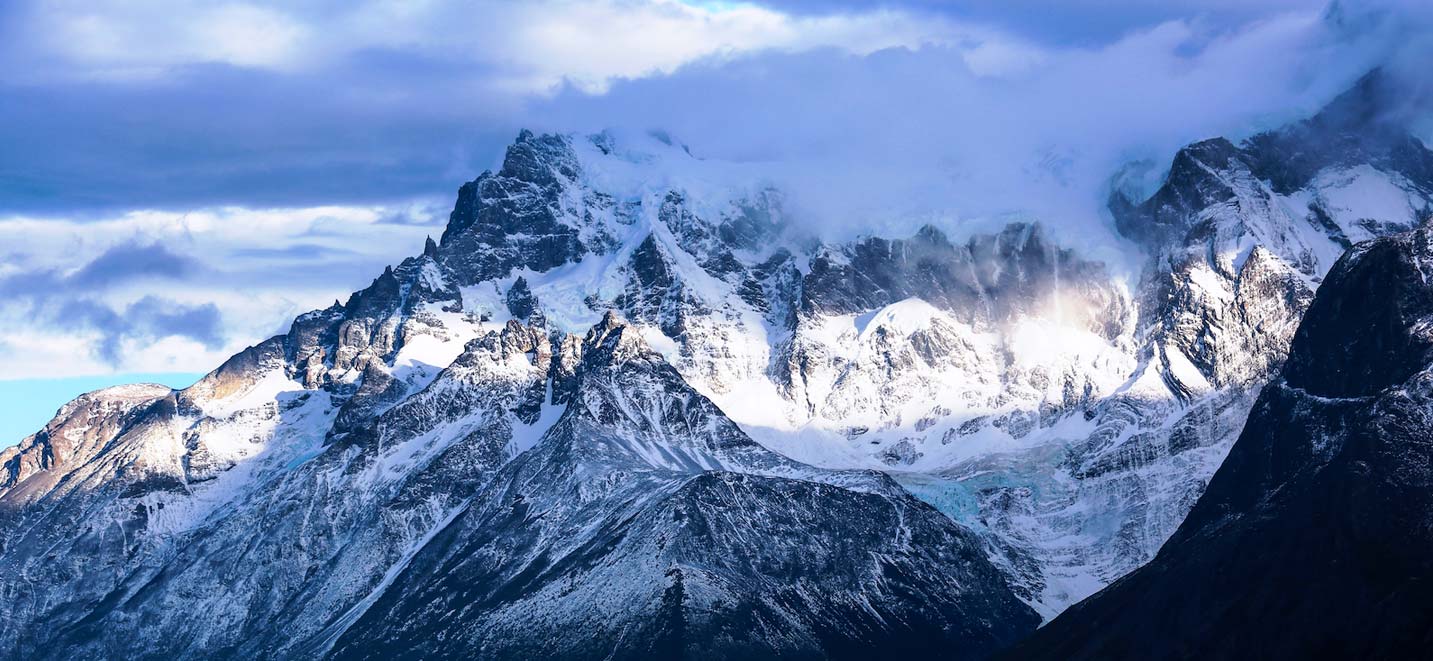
(1313, 538)
(628, 401)
(298, 498)
(1235, 248)
(645, 524)
(79, 430)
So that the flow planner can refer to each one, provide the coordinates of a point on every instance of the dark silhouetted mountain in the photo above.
(1313, 539)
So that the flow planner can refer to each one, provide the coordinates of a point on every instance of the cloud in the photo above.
(132, 260)
(71, 302)
(117, 265)
(240, 162)
(143, 322)
(297, 250)
(530, 46)
(1405, 37)
(897, 138)
(369, 103)
(218, 136)
(363, 103)
(154, 290)
(142, 39)
(1073, 22)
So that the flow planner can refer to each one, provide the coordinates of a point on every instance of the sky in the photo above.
(30, 403)
(178, 180)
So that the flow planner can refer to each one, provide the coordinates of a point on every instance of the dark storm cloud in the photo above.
(218, 135)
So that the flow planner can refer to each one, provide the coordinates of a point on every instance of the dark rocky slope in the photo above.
(1315, 538)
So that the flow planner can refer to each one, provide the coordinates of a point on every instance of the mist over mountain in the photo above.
(342, 133)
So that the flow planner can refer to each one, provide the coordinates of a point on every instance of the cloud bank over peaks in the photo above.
(240, 162)
(900, 137)
(301, 104)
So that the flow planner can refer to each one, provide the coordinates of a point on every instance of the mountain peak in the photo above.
(1369, 102)
(612, 341)
(540, 159)
(1365, 125)
(1352, 344)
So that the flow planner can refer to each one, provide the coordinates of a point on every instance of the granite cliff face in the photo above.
(626, 402)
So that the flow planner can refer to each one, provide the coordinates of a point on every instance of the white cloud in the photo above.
(259, 267)
(143, 38)
(42, 353)
(968, 137)
(525, 48)
(591, 44)
(875, 120)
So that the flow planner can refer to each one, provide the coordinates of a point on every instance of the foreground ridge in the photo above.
(1313, 539)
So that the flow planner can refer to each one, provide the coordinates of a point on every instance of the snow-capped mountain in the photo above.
(1237, 245)
(646, 524)
(270, 508)
(1312, 540)
(627, 405)
(616, 510)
